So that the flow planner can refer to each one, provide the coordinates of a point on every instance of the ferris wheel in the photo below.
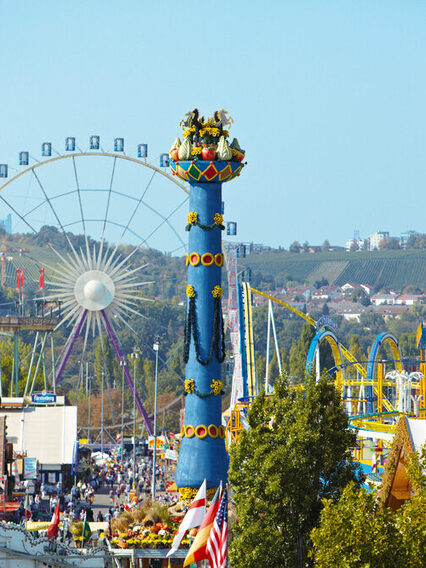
(106, 205)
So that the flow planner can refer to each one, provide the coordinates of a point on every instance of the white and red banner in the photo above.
(20, 281)
(41, 282)
(234, 328)
(193, 518)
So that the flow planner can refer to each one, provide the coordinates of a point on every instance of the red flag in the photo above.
(41, 282)
(18, 280)
(52, 531)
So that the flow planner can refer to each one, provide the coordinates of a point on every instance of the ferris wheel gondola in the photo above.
(116, 214)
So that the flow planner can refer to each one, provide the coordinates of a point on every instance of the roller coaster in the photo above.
(374, 392)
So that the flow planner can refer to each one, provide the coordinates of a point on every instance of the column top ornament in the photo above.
(205, 155)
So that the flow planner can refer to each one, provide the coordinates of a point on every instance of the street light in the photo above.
(122, 365)
(89, 385)
(156, 346)
(102, 415)
(134, 356)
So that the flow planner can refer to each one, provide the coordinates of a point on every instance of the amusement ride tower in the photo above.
(205, 160)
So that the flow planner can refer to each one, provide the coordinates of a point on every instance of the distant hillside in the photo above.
(380, 269)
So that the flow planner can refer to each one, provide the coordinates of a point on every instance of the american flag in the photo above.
(217, 543)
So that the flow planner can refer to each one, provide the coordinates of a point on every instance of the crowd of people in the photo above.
(126, 485)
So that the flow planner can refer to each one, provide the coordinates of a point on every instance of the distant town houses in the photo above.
(383, 239)
(349, 301)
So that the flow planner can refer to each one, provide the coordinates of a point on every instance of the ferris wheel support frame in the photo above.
(78, 326)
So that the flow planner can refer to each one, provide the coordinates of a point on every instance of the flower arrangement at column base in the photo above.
(188, 493)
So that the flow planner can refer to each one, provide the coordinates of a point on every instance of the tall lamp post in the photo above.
(122, 365)
(134, 357)
(156, 346)
(102, 415)
(89, 385)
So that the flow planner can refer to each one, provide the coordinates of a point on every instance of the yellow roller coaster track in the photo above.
(347, 354)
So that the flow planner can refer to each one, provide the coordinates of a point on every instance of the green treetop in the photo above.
(357, 532)
(294, 454)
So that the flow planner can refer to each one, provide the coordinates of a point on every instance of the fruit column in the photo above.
(202, 453)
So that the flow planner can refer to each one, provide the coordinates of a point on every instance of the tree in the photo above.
(326, 246)
(357, 532)
(295, 247)
(355, 348)
(104, 361)
(306, 246)
(294, 454)
(299, 351)
(390, 244)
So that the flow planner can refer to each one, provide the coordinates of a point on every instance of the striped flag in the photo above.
(193, 518)
(217, 543)
(41, 282)
(27, 508)
(52, 531)
(198, 550)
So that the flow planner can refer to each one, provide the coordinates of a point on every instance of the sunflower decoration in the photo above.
(217, 292)
(192, 218)
(190, 292)
(216, 387)
(218, 218)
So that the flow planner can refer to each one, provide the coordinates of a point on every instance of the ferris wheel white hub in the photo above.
(94, 290)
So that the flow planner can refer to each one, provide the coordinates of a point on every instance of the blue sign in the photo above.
(30, 468)
(43, 398)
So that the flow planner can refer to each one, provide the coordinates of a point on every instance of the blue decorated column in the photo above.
(202, 453)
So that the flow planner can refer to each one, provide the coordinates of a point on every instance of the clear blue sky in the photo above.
(328, 98)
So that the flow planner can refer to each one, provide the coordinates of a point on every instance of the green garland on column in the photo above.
(217, 345)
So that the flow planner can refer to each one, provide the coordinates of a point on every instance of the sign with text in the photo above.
(161, 443)
(43, 398)
(170, 455)
(30, 468)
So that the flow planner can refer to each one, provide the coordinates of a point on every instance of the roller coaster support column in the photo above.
(380, 371)
(202, 452)
(421, 345)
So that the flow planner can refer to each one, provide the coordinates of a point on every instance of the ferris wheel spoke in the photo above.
(140, 201)
(129, 309)
(49, 202)
(35, 208)
(18, 214)
(80, 203)
(94, 256)
(68, 269)
(165, 221)
(68, 262)
(178, 248)
(56, 217)
(120, 274)
(76, 310)
(108, 198)
(79, 194)
(116, 266)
